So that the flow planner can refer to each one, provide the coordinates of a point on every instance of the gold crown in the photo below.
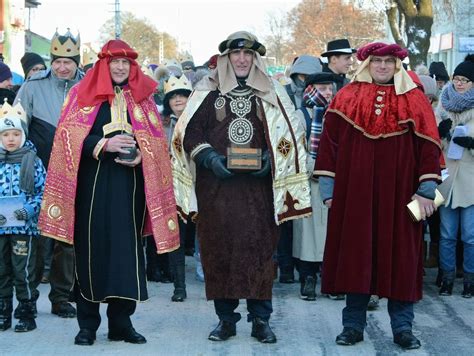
(187, 58)
(147, 71)
(71, 47)
(172, 63)
(88, 57)
(174, 83)
(12, 112)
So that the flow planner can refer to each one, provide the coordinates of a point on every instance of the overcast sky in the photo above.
(199, 26)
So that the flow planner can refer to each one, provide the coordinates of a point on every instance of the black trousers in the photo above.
(118, 313)
(285, 248)
(62, 272)
(17, 267)
(225, 309)
(307, 268)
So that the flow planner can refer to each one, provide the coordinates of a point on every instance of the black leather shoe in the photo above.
(127, 335)
(262, 331)
(179, 295)
(308, 289)
(85, 337)
(25, 325)
(336, 296)
(63, 310)
(349, 336)
(373, 303)
(446, 288)
(223, 331)
(287, 277)
(5, 323)
(468, 290)
(407, 340)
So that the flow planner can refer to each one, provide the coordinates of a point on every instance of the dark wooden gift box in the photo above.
(244, 158)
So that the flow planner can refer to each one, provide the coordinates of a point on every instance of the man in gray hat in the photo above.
(42, 97)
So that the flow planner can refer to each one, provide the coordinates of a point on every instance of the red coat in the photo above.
(378, 161)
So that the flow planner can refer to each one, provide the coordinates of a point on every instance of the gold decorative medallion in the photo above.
(172, 225)
(54, 211)
(87, 109)
(138, 114)
(153, 118)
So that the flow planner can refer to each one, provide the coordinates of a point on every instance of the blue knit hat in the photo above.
(5, 72)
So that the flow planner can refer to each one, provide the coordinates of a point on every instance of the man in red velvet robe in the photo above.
(379, 150)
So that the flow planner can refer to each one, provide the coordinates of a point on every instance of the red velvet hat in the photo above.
(381, 49)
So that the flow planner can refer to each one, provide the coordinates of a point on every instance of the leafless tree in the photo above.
(142, 35)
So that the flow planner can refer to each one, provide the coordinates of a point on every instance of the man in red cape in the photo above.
(109, 177)
(379, 150)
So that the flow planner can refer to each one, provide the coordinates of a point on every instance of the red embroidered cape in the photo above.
(57, 214)
(378, 160)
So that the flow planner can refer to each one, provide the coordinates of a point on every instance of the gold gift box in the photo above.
(244, 158)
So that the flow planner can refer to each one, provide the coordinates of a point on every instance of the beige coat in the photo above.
(309, 233)
(462, 171)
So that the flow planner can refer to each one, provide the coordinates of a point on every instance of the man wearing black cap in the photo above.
(439, 73)
(32, 63)
(339, 55)
(5, 76)
(310, 232)
(42, 97)
(6, 91)
(240, 130)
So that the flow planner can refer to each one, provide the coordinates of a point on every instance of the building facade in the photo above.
(15, 39)
(452, 34)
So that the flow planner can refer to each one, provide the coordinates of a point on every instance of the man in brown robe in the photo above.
(238, 211)
(379, 150)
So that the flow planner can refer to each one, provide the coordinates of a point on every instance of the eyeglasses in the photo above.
(379, 61)
(461, 81)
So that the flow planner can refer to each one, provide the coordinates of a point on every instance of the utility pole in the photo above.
(118, 23)
(161, 49)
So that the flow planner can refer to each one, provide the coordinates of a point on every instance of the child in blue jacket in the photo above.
(22, 178)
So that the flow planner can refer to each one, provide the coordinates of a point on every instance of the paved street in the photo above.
(444, 325)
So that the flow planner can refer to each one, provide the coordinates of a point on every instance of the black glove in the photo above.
(444, 127)
(21, 214)
(266, 166)
(210, 159)
(3, 220)
(464, 141)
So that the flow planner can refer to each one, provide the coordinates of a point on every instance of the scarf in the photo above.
(225, 80)
(26, 157)
(457, 102)
(311, 97)
(316, 130)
